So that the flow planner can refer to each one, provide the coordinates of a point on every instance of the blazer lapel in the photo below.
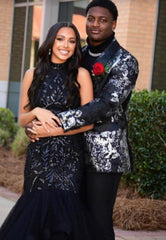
(107, 60)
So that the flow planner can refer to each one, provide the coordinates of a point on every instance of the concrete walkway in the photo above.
(8, 199)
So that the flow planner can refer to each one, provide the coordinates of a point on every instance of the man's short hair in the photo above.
(105, 4)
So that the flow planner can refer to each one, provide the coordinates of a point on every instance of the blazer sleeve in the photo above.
(121, 82)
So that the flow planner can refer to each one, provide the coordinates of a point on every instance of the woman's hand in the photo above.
(46, 118)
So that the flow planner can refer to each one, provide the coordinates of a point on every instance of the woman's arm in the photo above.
(26, 115)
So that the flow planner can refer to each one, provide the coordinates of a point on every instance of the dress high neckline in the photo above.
(56, 65)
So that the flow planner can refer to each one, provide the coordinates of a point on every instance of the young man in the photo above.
(114, 72)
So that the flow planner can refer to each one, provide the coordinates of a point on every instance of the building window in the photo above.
(159, 70)
(79, 18)
(25, 41)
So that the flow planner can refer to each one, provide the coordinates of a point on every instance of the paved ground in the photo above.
(8, 199)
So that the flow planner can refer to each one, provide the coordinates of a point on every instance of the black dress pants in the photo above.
(101, 190)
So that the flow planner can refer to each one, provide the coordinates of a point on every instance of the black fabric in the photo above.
(88, 60)
(48, 214)
(101, 47)
(50, 207)
(101, 190)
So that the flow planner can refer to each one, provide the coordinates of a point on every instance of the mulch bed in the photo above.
(131, 212)
(140, 214)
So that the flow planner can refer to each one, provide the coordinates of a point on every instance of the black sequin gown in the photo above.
(50, 207)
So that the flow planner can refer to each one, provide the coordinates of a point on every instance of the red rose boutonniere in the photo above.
(98, 69)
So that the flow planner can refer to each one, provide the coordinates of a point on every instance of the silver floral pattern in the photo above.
(103, 146)
(108, 142)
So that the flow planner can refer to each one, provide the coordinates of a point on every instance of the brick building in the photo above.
(141, 28)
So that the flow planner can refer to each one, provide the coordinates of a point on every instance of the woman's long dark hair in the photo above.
(43, 64)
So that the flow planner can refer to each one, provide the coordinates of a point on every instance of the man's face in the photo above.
(99, 25)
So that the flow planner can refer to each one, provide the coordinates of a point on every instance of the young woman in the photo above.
(50, 207)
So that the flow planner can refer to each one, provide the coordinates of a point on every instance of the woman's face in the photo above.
(64, 45)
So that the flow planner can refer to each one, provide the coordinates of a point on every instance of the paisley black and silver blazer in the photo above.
(108, 143)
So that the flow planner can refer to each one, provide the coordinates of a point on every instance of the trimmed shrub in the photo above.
(4, 137)
(8, 126)
(147, 132)
(19, 145)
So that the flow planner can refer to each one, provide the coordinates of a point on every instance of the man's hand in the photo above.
(35, 130)
(31, 134)
(40, 131)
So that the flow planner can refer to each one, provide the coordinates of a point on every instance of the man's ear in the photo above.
(114, 25)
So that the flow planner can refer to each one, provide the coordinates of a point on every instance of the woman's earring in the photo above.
(49, 52)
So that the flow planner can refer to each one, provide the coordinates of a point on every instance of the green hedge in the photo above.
(20, 142)
(8, 126)
(147, 132)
